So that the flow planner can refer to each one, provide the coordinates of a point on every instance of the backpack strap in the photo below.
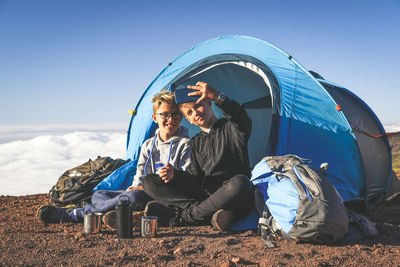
(266, 236)
(278, 163)
(267, 228)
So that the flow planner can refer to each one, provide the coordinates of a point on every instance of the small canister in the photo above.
(92, 223)
(124, 217)
(148, 226)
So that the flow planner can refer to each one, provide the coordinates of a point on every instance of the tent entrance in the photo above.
(246, 83)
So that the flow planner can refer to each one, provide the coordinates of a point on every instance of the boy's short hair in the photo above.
(163, 97)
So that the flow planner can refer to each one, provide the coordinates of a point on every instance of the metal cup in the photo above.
(92, 223)
(148, 226)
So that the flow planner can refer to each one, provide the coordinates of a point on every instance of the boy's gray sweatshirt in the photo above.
(155, 153)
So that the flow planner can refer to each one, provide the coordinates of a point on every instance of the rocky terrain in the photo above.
(26, 241)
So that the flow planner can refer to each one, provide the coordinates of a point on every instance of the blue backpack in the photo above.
(297, 201)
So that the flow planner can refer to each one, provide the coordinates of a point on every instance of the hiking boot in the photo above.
(166, 216)
(222, 219)
(51, 214)
(110, 219)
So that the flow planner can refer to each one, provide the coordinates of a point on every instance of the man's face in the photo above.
(168, 118)
(198, 114)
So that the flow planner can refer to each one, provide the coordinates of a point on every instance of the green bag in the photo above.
(75, 187)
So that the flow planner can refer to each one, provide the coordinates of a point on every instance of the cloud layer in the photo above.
(392, 128)
(33, 166)
(12, 133)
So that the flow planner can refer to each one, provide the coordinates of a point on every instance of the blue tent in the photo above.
(292, 111)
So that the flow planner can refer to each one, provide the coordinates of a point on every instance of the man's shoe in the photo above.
(222, 219)
(166, 216)
(110, 219)
(51, 214)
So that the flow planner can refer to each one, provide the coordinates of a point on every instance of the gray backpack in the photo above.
(297, 201)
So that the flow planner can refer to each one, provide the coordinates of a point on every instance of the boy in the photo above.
(216, 185)
(168, 149)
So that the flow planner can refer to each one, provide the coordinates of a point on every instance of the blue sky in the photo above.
(87, 62)
(70, 69)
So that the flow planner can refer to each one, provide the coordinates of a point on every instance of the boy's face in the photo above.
(168, 118)
(198, 114)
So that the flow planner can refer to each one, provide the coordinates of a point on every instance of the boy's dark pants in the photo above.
(198, 205)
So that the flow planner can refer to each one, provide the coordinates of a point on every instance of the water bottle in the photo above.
(124, 217)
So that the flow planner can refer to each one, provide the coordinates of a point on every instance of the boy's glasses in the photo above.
(173, 115)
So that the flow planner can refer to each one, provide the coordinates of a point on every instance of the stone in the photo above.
(178, 251)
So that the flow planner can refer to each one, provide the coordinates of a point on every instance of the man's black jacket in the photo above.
(222, 153)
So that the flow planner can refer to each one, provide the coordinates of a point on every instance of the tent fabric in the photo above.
(292, 112)
(309, 124)
(375, 152)
(120, 179)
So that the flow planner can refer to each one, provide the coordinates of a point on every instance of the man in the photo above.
(216, 186)
(168, 149)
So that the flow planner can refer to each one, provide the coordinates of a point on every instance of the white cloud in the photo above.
(33, 166)
(395, 127)
(24, 132)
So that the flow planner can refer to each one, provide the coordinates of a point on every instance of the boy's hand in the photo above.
(204, 90)
(167, 173)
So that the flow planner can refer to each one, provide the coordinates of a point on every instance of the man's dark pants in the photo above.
(198, 205)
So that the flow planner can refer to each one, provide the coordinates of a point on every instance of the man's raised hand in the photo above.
(204, 90)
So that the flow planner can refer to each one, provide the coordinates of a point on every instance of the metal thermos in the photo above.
(92, 223)
(124, 217)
